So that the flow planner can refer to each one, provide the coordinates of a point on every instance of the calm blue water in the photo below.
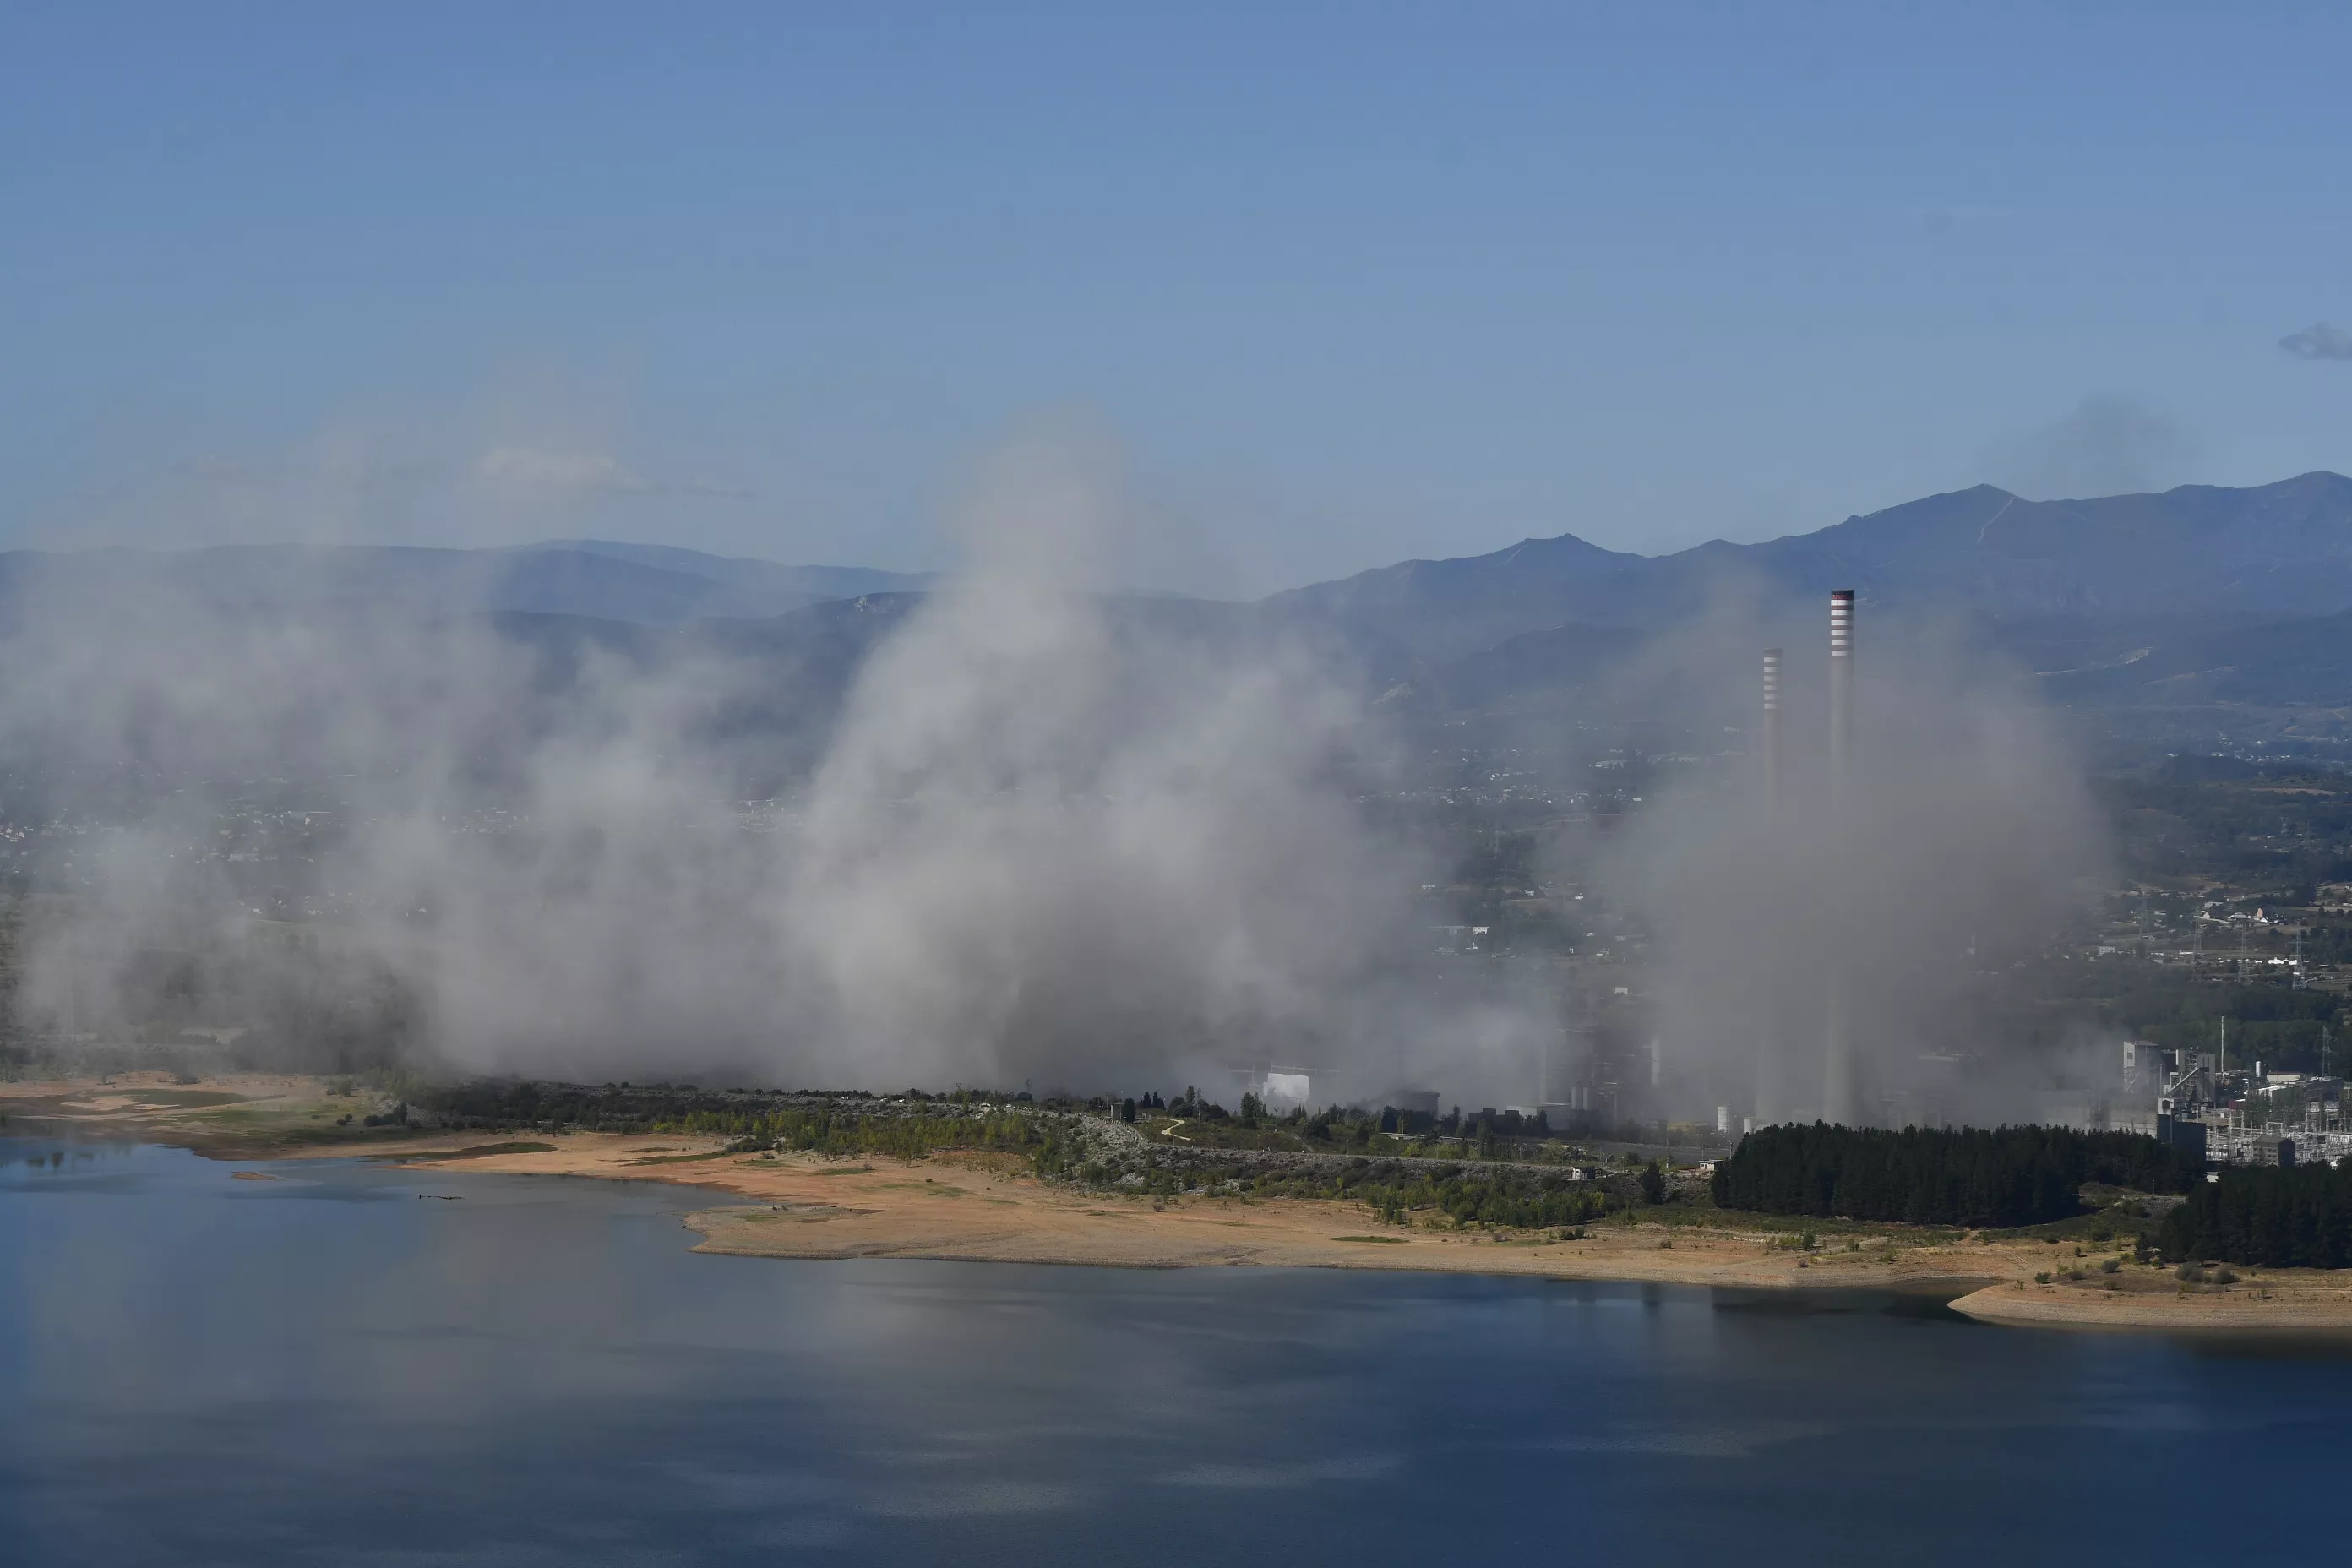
(358, 1366)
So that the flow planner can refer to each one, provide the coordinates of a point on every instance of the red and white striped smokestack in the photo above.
(1839, 1100)
(1841, 687)
(1768, 1105)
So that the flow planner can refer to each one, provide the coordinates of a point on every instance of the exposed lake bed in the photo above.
(972, 1205)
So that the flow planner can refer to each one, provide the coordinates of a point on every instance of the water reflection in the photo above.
(342, 1365)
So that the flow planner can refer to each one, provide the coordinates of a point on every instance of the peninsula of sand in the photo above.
(986, 1207)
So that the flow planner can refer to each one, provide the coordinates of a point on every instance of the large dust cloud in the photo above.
(1021, 830)
(1894, 904)
(1037, 840)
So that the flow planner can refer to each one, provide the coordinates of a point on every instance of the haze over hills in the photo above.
(745, 575)
(2197, 596)
(647, 584)
(519, 762)
(2284, 547)
(2194, 606)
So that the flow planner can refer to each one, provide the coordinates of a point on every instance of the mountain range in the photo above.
(2197, 596)
(2284, 547)
(2281, 549)
(2197, 606)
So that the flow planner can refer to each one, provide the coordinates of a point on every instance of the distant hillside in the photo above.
(2284, 547)
(748, 577)
(1553, 572)
(644, 584)
(2205, 611)
(2213, 616)
(2245, 660)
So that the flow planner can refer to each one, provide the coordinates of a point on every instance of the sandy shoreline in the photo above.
(984, 1209)
(988, 1208)
(2273, 1301)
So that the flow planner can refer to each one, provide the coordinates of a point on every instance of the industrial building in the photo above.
(2241, 1116)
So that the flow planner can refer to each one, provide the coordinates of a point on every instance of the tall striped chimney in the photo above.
(1841, 689)
(1768, 1044)
(1837, 1099)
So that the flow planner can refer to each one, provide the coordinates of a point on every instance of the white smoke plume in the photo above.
(1041, 836)
(1965, 841)
(1018, 831)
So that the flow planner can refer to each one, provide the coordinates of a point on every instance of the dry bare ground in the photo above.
(988, 1208)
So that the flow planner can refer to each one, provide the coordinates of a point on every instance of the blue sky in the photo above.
(1345, 283)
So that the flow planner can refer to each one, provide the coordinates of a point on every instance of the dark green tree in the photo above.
(2004, 1176)
(1654, 1183)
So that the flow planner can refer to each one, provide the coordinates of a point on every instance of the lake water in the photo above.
(361, 1366)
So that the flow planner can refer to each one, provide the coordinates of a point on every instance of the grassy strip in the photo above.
(303, 1137)
(840, 1133)
(167, 1098)
(480, 1151)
